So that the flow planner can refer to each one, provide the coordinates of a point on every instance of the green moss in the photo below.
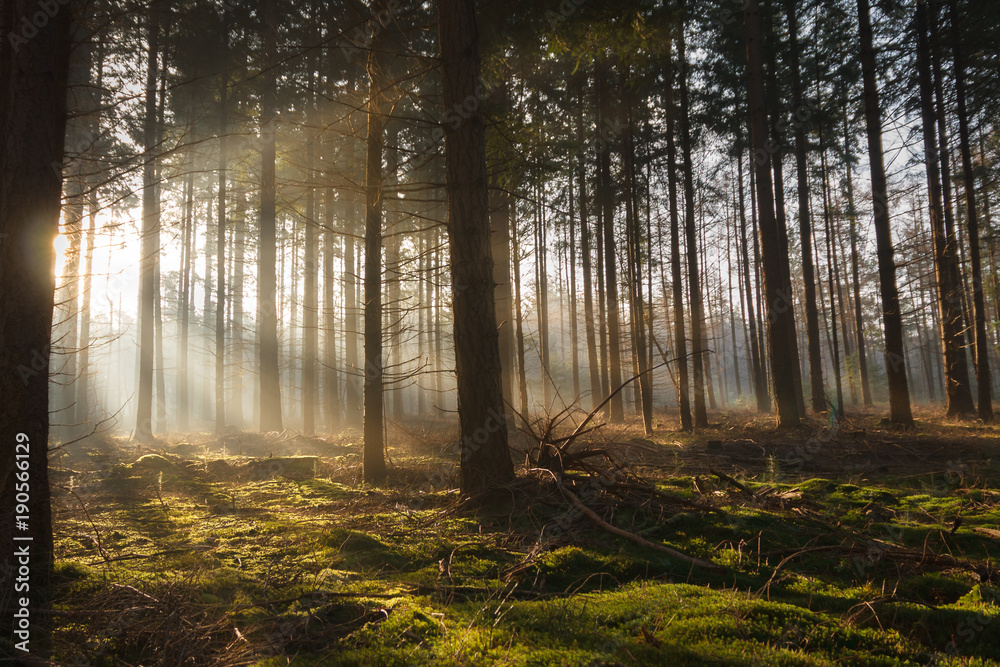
(72, 571)
(321, 571)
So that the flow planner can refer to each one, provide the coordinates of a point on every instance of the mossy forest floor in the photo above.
(851, 543)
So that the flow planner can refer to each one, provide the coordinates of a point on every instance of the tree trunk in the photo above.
(331, 394)
(159, 365)
(184, 307)
(805, 228)
(310, 309)
(352, 397)
(730, 241)
(697, 311)
(634, 254)
(780, 306)
(596, 396)
(393, 308)
(150, 237)
(92, 180)
(859, 325)
(438, 307)
(984, 379)
(206, 312)
(959, 394)
(602, 320)
(542, 294)
(500, 222)
(374, 446)
(892, 321)
(236, 299)
(83, 383)
(267, 318)
(680, 342)
(292, 325)
(220, 252)
(616, 409)
(749, 318)
(834, 284)
(80, 138)
(69, 296)
(838, 258)
(32, 130)
(777, 166)
(951, 229)
(757, 278)
(485, 454)
(571, 269)
(708, 330)
(522, 376)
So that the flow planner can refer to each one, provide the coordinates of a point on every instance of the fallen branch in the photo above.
(631, 537)
(726, 478)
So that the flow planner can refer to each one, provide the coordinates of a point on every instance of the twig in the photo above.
(136, 591)
(579, 429)
(97, 534)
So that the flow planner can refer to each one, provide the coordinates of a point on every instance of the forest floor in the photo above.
(835, 543)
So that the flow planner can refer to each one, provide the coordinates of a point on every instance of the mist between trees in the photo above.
(624, 201)
(621, 128)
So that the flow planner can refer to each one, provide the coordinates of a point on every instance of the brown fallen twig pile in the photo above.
(613, 486)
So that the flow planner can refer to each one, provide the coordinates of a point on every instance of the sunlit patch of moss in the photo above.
(72, 571)
(981, 595)
(362, 551)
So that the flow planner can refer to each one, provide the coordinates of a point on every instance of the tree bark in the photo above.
(374, 446)
(696, 302)
(522, 376)
(730, 241)
(634, 247)
(184, 307)
(331, 386)
(596, 396)
(33, 86)
(542, 298)
(859, 325)
(92, 180)
(235, 414)
(959, 394)
(393, 307)
(892, 321)
(310, 308)
(500, 222)
(817, 392)
(680, 342)
(485, 454)
(352, 397)
(780, 305)
(605, 193)
(832, 282)
(750, 319)
(220, 252)
(983, 377)
(150, 237)
(772, 93)
(267, 318)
